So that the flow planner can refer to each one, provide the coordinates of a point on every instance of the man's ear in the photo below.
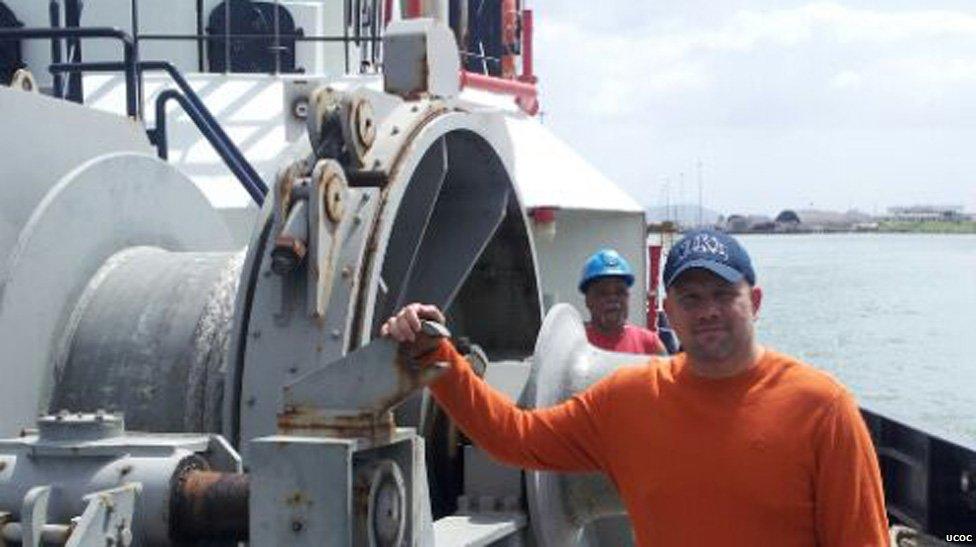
(667, 304)
(756, 295)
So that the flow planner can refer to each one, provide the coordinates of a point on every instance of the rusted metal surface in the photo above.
(353, 397)
(288, 253)
(208, 505)
(313, 422)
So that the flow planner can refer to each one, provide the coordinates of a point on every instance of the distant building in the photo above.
(801, 221)
(737, 223)
(787, 217)
(921, 213)
(749, 223)
(813, 220)
(788, 221)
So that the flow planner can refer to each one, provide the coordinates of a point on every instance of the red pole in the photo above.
(528, 74)
(526, 95)
(653, 274)
(387, 11)
(509, 23)
(414, 8)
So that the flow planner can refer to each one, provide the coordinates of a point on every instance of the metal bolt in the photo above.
(256, 334)
(125, 470)
(336, 333)
(364, 198)
(414, 108)
(296, 526)
(292, 370)
(347, 270)
(358, 219)
(395, 130)
(377, 164)
(300, 108)
(251, 401)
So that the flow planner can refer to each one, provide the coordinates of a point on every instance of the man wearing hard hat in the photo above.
(605, 281)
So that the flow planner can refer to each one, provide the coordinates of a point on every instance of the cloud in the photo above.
(846, 80)
(791, 63)
(810, 102)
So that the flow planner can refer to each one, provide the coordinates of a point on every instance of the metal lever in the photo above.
(351, 397)
(434, 329)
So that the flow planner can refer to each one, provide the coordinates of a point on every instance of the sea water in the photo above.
(893, 316)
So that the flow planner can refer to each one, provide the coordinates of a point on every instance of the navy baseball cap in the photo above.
(709, 250)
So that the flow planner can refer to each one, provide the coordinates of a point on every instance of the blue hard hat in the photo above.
(605, 263)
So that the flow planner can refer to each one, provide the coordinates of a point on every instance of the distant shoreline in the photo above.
(881, 227)
(927, 227)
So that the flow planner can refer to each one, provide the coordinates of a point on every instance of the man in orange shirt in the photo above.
(605, 282)
(728, 442)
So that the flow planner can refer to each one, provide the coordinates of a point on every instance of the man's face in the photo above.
(606, 298)
(712, 317)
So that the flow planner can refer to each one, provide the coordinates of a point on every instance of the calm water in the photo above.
(893, 316)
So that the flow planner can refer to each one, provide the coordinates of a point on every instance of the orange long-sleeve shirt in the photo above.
(777, 455)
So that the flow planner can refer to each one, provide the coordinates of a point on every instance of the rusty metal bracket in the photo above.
(353, 396)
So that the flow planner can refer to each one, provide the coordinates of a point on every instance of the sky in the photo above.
(786, 104)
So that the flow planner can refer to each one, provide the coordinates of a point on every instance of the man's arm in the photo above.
(566, 437)
(563, 438)
(850, 508)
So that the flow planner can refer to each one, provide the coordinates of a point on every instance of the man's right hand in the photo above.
(405, 328)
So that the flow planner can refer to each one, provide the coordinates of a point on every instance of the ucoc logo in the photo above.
(968, 538)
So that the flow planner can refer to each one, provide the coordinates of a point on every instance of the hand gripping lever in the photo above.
(353, 396)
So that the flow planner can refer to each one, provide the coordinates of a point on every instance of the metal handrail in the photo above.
(229, 153)
(297, 38)
(206, 123)
(133, 108)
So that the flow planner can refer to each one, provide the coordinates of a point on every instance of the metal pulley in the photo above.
(567, 509)
(383, 492)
